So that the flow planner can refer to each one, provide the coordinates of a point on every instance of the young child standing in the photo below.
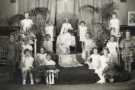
(50, 78)
(82, 31)
(26, 66)
(112, 45)
(26, 24)
(127, 46)
(114, 25)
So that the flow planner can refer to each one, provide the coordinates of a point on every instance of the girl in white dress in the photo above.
(64, 41)
(26, 23)
(41, 57)
(104, 61)
(88, 45)
(82, 31)
(25, 45)
(114, 25)
(112, 45)
(66, 26)
(26, 66)
(93, 60)
(50, 70)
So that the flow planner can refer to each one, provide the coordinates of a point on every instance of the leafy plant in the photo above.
(105, 13)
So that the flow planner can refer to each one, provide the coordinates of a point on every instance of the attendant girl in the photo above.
(104, 61)
(114, 25)
(127, 46)
(82, 32)
(26, 23)
(26, 66)
(113, 46)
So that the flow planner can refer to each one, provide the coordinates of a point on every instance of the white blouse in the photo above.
(82, 32)
(26, 24)
(65, 27)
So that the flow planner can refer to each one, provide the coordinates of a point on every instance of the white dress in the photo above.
(100, 70)
(89, 44)
(50, 62)
(104, 61)
(26, 24)
(82, 32)
(27, 63)
(115, 24)
(112, 46)
(50, 30)
(27, 46)
(41, 59)
(95, 64)
(64, 41)
(65, 27)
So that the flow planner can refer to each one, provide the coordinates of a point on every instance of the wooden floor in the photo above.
(117, 86)
(127, 85)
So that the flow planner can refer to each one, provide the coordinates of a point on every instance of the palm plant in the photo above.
(105, 13)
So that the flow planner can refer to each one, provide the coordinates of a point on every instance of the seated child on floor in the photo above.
(26, 66)
(50, 64)
(99, 63)
(93, 60)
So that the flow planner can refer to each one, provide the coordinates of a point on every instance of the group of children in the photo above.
(90, 53)
(29, 61)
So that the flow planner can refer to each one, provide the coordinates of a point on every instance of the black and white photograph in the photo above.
(67, 44)
(131, 18)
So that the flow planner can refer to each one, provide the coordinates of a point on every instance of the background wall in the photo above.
(8, 9)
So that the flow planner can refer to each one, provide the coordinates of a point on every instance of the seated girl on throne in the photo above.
(64, 41)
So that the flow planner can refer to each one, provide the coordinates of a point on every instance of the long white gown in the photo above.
(64, 41)
(115, 25)
(112, 46)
